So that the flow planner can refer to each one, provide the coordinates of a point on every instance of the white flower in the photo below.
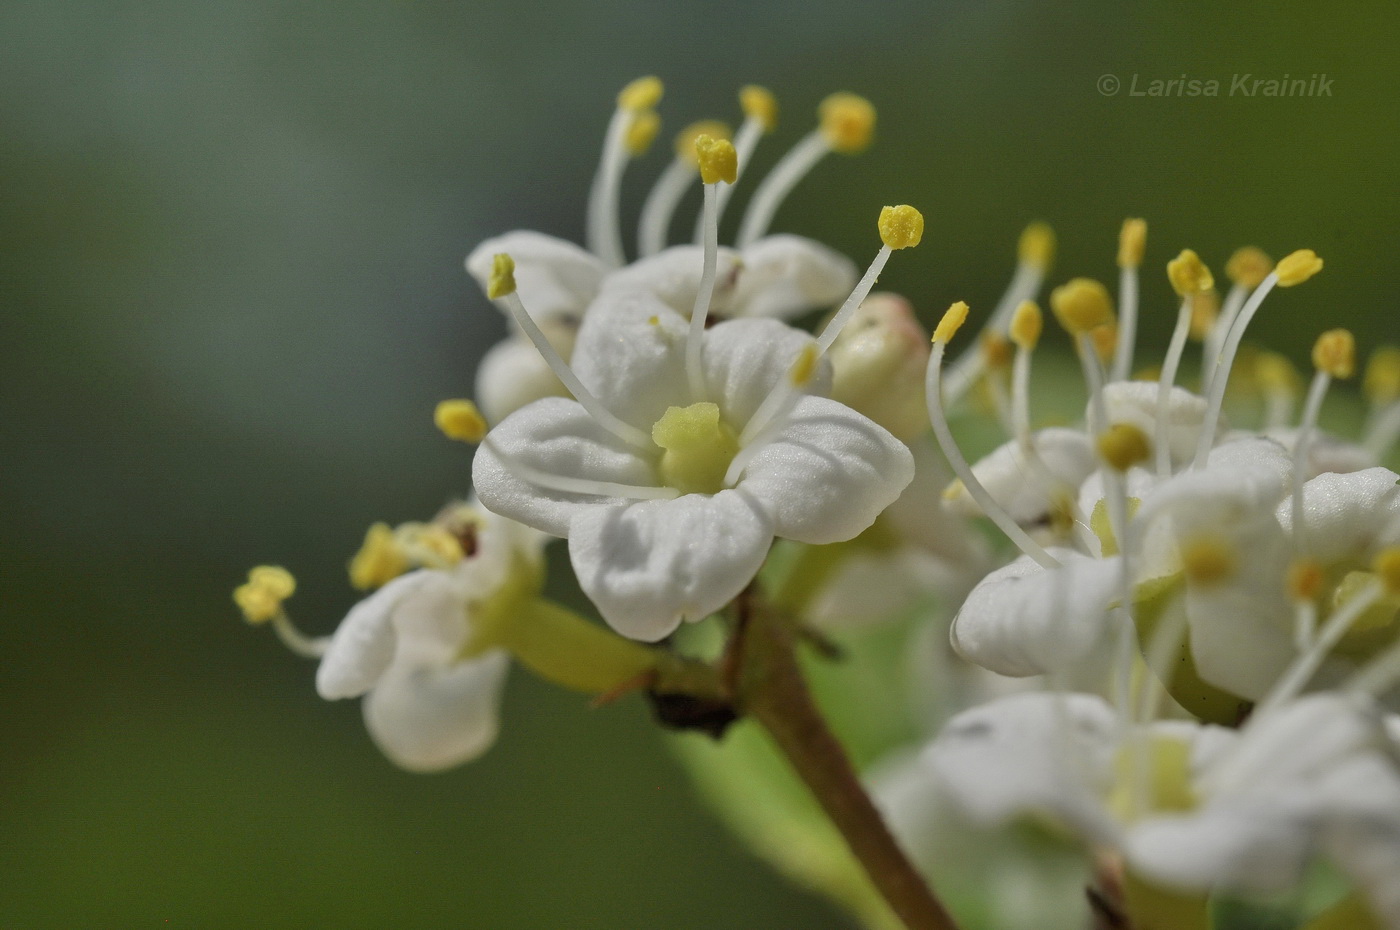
(817, 473)
(512, 373)
(411, 649)
(1068, 456)
(556, 278)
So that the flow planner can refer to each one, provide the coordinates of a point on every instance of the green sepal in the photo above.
(562, 647)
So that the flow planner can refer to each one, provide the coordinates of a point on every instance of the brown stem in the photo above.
(774, 692)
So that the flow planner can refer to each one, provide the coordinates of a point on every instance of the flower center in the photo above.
(1375, 627)
(1153, 776)
(697, 448)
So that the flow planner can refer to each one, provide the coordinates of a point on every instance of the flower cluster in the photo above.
(1200, 634)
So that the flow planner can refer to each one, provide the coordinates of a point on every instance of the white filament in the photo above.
(1127, 323)
(661, 204)
(1222, 368)
(793, 166)
(603, 232)
(695, 337)
(1165, 382)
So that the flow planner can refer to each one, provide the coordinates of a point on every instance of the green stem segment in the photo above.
(773, 691)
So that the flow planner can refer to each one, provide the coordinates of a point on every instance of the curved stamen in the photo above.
(952, 319)
(308, 647)
(1210, 346)
(661, 204)
(1132, 242)
(1334, 354)
(1296, 678)
(1165, 382)
(603, 233)
(718, 162)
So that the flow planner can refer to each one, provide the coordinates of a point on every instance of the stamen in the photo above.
(260, 599)
(1189, 276)
(1279, 383)
(1382, 388)
(603, 232)
(1295, 268)
(954, 318)
(1296, 678)
(771, 414)
(1246, 269)
(717, 162)
(760, 118)
(502, 287)
(665, 196)
(1035, 253)
(1132, 242)
(1383, 672)
(1081, 306)
(1121, 447)
(847, 123)
(568, 484)
(1305, 580)
(1334, 355)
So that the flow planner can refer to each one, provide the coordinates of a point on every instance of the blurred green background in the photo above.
(230, 264)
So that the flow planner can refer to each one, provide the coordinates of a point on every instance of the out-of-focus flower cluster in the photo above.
(1186, 671)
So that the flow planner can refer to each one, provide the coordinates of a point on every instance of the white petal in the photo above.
(1026, 620)
(428, 718)
(1068, 455)
(554, 277)
(673, 276)
(513, 374)
(1327, 452)
(1031, 753)
(828, 473)
(920, 517)
(631, 354)
(364, 643)
(1239, 847)
(650, 565)
(1348, 516)
(558, 437)
(1135, 403)
(1240, 479)
(785, 276)
(744, 359)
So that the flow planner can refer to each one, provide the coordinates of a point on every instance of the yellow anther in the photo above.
(1205, 310)
(1037, 246)
(642, 94)
(429, 545)
(717, 159)
(1026, 324)
(1188, 274)
(1105, 340)
(461, 420)
(1208, 560)
(1123, 445)
(260, 597)
(805, 367)
(901, 227)
(1387, 569)
(1275, 374)
(1132, 243)
(1335, 353)
(1305, 578)
(642, 132)
(847, 122)
(1081, 305)
(685, 139)
(1382, 384)
(502, 280)
(379, 561)
(758, 103)
(953, 318)
(1248, 267)
(996, 350)
(1297, 267)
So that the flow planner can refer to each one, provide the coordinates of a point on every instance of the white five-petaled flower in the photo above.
(419, 649)
(673, 525)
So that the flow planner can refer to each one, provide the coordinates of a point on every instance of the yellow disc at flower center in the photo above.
(698, 447)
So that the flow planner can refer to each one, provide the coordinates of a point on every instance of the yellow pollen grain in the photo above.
(1188, 274)
(953, 319)
(1382, 383)
(1305, 578)
(901, 227)
(1248, 267)
(806, 365)
(260, 597)
(1123, 445)
(1132, 243)
(685, 139)
(642, 132)
(847, 122)
(1037, 246)
(502, 280)
(1205, 310)
(1335, 353)
(1297, 267)
(642, 94)
(1026, 325)
(1387, 569)
(460, 419)
(717, 160)
(1208, 560)
(758, 103)
(379, 561)
(1081, 305)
